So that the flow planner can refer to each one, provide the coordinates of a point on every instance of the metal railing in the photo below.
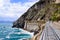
(56, 36)
(44, 35)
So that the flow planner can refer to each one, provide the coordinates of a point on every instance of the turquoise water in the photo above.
(9, 33)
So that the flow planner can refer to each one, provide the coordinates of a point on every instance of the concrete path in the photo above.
(56, 27)
(49, 33)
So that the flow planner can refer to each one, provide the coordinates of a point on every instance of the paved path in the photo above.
(56, 27)
(49, 33)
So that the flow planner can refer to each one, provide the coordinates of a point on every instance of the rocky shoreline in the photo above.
(35, 18)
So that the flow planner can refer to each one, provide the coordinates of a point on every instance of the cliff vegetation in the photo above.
(44, 10)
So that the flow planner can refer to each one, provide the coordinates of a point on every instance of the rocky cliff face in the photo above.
(42, 10)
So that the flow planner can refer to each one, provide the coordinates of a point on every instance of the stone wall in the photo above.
(31, 26)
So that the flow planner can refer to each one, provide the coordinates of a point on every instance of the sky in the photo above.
(11, 10)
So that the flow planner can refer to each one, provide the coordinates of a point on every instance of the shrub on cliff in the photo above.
(56, 13)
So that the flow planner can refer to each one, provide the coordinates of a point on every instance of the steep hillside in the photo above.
(42, 10)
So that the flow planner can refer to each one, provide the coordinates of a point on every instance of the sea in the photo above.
(9, 33)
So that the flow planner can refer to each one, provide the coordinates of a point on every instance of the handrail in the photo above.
(53, 31)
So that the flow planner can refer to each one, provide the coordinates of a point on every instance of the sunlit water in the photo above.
(9, 33)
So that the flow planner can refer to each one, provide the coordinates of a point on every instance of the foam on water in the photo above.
(9, 33)
(7, 37)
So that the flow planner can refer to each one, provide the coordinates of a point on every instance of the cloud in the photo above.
(13, 11)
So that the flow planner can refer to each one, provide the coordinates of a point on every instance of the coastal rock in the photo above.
(42, 10)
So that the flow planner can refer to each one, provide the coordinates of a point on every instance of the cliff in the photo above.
(42, 10)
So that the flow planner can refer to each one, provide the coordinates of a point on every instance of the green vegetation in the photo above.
(56, 13)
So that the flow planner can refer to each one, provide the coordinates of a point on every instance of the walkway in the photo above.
(49, 33)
